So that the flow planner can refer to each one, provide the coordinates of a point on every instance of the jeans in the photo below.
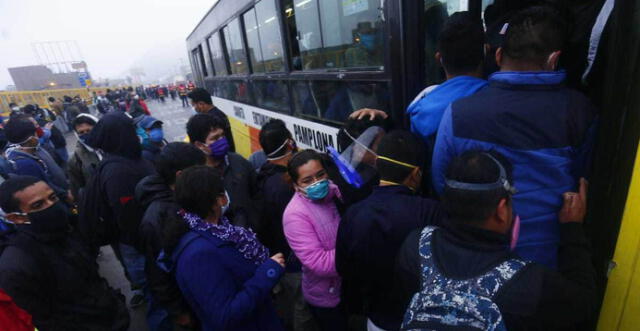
(330, 319)
(134, 264)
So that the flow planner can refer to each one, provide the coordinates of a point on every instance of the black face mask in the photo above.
(52, 220)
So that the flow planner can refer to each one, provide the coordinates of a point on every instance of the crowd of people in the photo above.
(472, 220)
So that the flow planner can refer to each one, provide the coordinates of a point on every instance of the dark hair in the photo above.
(533, 34)
(402, 146)
(272, 136)
(300, 159)
(200, 125)
(67, 98)
(177, 156)
(475, 167)
(197, 189)
(83, 120)
(10, 187)
(355, 127)
(12, 104)
(461, 43)
(19, 128)
(29, 109)
(51, 99)
(200, 95)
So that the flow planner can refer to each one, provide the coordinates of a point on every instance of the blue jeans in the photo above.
(134, 264)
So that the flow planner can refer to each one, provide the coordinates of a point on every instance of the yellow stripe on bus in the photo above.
(621, 305)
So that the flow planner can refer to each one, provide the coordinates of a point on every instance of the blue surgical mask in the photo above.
(317, 190)
(142, 134)
(156, 135)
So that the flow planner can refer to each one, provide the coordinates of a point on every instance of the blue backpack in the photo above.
(453, 304)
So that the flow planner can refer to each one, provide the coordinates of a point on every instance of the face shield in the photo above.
(357, 163)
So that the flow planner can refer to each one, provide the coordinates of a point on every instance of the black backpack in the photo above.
(95, 221)
(98, 224)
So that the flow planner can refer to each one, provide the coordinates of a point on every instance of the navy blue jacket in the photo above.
(227, 291)
(369, 237)
(545, 129)
(41, 165)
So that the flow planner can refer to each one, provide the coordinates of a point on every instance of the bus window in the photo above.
(271, 94)
(235, 48)
(196, 63)
(203, 64)
(336, 34)
(270, 38)
(235, 90)
(434, 15)
(253, 40)
(217, 56)
(335, 101)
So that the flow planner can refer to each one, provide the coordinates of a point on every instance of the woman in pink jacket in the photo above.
(310, 224)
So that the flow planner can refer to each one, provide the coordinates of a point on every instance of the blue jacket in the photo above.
(41, 165)
(227, 291)
(545, 129)
(426, 110)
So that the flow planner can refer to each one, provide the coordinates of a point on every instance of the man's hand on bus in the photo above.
(372, 113)
(574, 207)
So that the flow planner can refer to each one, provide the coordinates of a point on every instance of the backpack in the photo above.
(95, 221)
(457, 304)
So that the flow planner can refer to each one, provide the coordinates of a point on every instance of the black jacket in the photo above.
(240, 182)
(537, 298)
(119, 179)
(276, 193)
(158, 201)
(369, 237)
(56, 281)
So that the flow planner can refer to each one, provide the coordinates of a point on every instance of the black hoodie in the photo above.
(121, 170)
(157, 199)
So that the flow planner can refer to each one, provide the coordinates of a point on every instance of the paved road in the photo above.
(175, 118)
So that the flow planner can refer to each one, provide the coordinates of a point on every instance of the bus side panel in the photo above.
(621, 306)
(241, 137)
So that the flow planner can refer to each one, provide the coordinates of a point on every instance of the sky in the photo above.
(113, 35)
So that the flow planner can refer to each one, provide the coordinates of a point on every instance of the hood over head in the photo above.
(115, 133)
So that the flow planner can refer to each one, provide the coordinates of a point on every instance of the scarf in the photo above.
(244, 240)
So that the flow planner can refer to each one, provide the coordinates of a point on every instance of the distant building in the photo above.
(39, 77)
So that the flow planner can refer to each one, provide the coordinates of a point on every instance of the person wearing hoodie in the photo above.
(119, 173)
(150, 131)
(84, 161)
(310, 224)
(167, 308)
(29, 158)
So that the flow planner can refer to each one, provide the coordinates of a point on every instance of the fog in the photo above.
(114, 36)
